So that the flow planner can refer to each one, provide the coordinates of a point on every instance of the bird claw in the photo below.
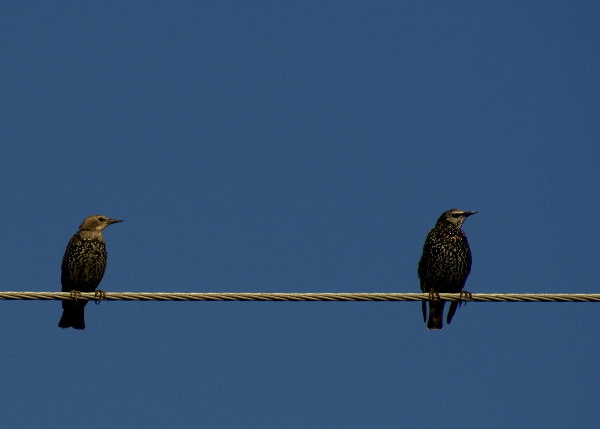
(75, 294)
(468, 296)
(433, 295)
(99, 295)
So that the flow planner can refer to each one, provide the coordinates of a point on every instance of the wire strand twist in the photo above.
(321, 296)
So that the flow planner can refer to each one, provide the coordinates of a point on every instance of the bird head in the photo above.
(96, 223)
(453, 217)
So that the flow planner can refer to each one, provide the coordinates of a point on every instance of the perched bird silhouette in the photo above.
(444, 265)
(82, 267)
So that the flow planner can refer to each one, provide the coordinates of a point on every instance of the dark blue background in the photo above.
(273, 146)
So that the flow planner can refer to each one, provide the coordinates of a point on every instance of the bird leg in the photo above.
(99, 295)
(433, 295)
(468, 296)
(75, 294)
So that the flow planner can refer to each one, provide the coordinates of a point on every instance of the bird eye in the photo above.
(101, 218)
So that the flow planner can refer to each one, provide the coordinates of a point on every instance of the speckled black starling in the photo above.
(444, 265)
(83, 267)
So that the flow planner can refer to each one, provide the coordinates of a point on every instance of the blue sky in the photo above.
(275, 147)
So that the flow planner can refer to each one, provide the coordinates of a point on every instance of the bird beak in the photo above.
(111, 221)
(469, 213)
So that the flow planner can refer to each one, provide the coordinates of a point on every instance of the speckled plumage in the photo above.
(445, 264)
(82, 267)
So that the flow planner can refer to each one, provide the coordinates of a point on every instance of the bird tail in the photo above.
(436, 315)
(73, 315)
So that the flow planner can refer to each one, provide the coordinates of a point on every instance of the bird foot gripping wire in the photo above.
(468, 296)
(434, 295)
(75, 294)
(99, 296)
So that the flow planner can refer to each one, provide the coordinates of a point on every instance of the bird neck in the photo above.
(452, 227)
(90, 235)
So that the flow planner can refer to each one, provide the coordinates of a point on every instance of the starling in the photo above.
(83, 267)
(444, 265)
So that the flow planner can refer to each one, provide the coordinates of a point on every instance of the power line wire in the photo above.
(324, 296)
